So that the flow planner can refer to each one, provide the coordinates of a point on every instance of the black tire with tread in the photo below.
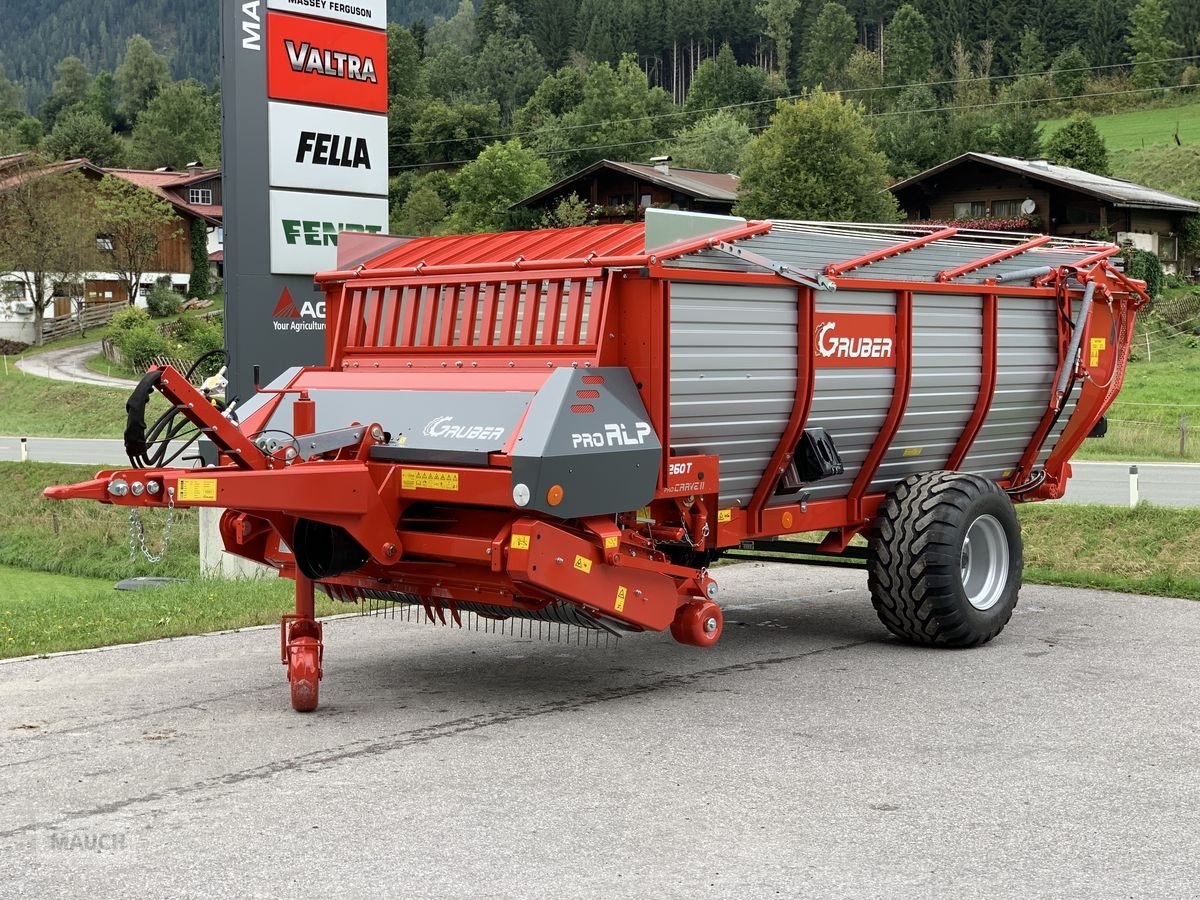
(914, 570)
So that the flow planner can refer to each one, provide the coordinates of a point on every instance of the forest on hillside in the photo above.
(490, 103)
(669, 37)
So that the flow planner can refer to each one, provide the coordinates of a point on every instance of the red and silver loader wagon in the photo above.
(570, 426)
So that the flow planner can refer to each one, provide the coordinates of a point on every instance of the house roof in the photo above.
(694, 182)
(11, 173)
(165, 185)
(1114, 190)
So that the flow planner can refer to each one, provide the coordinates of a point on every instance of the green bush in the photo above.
(128, 318)
(162, 301)
(1145, 266)
(139, 345)
(199, 336)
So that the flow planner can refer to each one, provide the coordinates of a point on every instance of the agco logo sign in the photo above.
(290, 316)
(855, 339)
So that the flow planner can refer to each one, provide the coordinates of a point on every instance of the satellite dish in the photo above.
(1028, 206)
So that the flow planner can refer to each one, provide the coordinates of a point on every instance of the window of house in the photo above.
(1007, 209)
(644, 200)
(1168, 248)
(200, 196)
(104, 242)
(973, 209)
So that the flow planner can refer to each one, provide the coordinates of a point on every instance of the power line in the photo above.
(867, 90)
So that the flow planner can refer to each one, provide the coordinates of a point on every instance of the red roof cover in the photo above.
(509, 246)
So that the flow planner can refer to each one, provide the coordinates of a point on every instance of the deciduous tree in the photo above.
(81, 133)
(907, 48)
(141, 75)
(181, 124)
(818, 160)
(715, 143)
(503, 174)
(829, 46)
(1151, 46)
(46, 237)
(132, 221)
(1079, 145)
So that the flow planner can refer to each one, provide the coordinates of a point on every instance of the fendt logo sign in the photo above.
(305, 228)
(331, 150)
(310, 61)
(863, 340)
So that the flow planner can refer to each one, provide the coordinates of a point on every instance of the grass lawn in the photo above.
(42, 613)
(1142, 127)
(35, 406)
(1165, 167)
(59, 561)
(1162, 383)
(1148, 550)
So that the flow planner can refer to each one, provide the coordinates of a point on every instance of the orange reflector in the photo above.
(554, 495)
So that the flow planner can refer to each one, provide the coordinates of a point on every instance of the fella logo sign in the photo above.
(863, 340)
(328, 149)
(310, 61)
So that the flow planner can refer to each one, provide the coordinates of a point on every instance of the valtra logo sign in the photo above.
(321, 62)
(863, 340)
(290, 316)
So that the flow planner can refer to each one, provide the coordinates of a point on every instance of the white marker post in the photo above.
(24, 449)
(1133, 487)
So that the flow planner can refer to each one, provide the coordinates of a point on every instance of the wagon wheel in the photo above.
(946, 560)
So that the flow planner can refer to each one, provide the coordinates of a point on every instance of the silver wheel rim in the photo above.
(984, 562)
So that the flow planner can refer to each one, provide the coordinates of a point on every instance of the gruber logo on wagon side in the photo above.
(321, 62)
(861, 340)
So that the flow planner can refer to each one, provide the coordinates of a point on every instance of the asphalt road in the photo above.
(70, 364)
(808, 754)
(1164, 484)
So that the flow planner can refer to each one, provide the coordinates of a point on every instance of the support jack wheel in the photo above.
(304, 673)
(698, 624)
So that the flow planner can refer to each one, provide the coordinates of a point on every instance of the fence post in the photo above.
(1133, 487)
(1183, 435)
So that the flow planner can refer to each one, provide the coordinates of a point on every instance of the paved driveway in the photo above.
(807, 755)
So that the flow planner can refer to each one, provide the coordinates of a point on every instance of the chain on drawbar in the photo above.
(137, 532)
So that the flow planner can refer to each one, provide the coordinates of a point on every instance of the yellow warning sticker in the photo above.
(583, 564)
(724, 515)
(913, 451)
(643, 515)
(612, 542)
(1097, 346)
(197, 490)
(425, 479)
(619, 605)
(520, 542)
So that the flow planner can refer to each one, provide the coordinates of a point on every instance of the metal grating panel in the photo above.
(1027, 359)
(947, 371)
(733, 376)
(811, 246)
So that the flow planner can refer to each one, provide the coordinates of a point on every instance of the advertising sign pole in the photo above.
(304, 147)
